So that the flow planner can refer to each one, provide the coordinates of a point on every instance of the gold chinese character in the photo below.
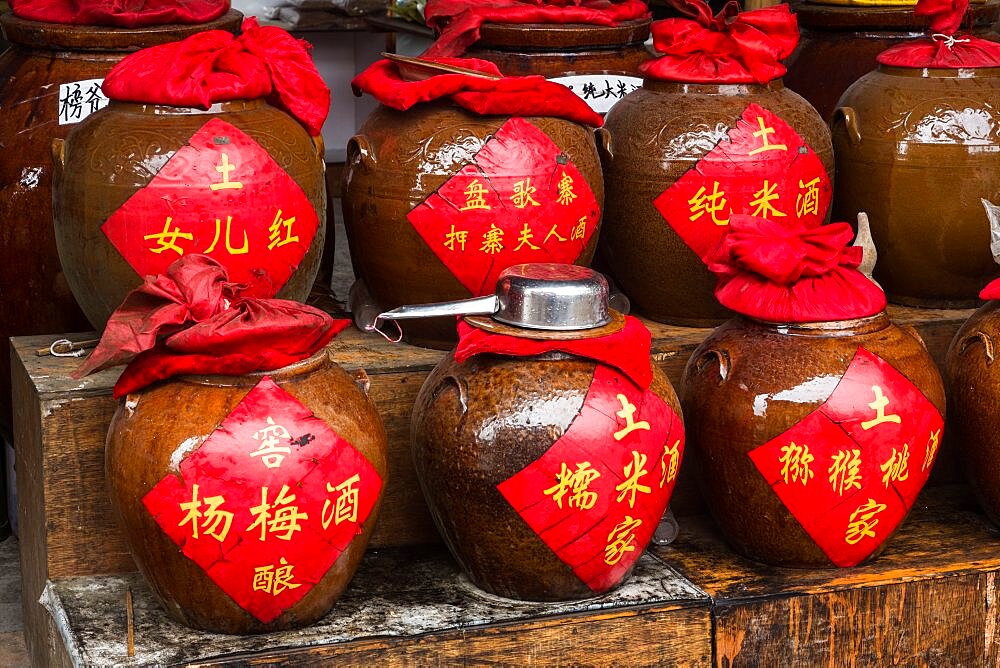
(580, 229)
(525, 238)
(796, 460)
(167, 239)
(621, 540)
(881, 401)
(633, 471)
(553, 233)
(213, 516)
(765, 196)
(523, 191)
(346, 508)
(269, 452)
(285, 518)
(933, 441)
(229, 246)
(766, 144)
(492, 240)
(711, 204)
(896, 468)
(669, 471)
(566, 194)
(274, 581)
(577, 482)
(807, 201)
(224, 169)
(275, 239)
(863, 522)
(453, 237)
(845, 471)
(627, 413)
(475, 196)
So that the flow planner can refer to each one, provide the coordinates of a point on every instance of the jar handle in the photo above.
(604, 146)
(360, 149)
(320, 146)
(58, 155)
(987, 341)
(362, 380)
(912, 331)
(851, 122)
(720, 356)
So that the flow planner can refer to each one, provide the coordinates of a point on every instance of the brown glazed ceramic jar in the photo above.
(812, 440)
(414, 183)
(520, 471)
(661, 136)
(839, 43)
(279, 473)
(49, 80)
(917, 150)
(138, 185)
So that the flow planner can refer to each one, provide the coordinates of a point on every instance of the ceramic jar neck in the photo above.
(826, 329)
(319, 360)
(233, 106)
(730, 89)
(941, 73)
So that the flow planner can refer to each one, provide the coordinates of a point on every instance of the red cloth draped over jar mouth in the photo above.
(730, 47)
(943, 49)
(458, 21)
(120, 13)
(492, 95)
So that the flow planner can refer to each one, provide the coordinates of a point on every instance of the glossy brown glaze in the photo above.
(751, 381)
(395, 162)
(917, 150)
(36, 298)
(477, 424)
(658, 133)
(119, 150)
(838, 44)
(152, 426)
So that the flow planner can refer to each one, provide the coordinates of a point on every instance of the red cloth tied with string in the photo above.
(626, 350)
(785, 272)
(504, 96)
(458, 21)
(216, 66)
(120, 13)
(731, 47)
(943, 49)
(192, 320)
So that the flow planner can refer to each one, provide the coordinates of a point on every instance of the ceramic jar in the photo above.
(508, 448)
(139, 185)
(438, 201)
(917, 151)
(50, 80)
(283, 472)
(663, 204)
(839, 43)
(812, 440)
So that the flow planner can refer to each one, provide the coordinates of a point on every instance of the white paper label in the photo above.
(79, 99)
(600, 91)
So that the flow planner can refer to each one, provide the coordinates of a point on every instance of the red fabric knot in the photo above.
(942, 48)
(458, 21)
(120, 13)
(193, 320)
(627, 350)
(731, 47)
(216, 66)
(503, 96)
(991, 291)
(790, 273)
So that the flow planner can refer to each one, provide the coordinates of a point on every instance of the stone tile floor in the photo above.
(12, 650)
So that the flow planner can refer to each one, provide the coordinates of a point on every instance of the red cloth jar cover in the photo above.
(458, 21)
(216, 66)
(781, 272)
(120, 13)
(505, 96)
(731, 47)
(991, 291)
(191, 320)
(943, 48)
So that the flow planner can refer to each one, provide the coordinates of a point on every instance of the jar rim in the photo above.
(318, 360)
(728, 89)
(830, 328)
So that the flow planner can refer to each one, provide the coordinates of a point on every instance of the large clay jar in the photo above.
(917, 150)
(49, 80)
(812, 440)
(508, 448)
(660, 220)
(279, 473)
(414, 180)
(839, 43)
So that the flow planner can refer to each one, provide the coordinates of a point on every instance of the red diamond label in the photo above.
(222, 195)
(763, 169)
(268, 502)
(520, 200)
(851, 469)
(596, 496)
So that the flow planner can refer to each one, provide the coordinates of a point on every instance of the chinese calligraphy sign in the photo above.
(600, 91)
(79, 99)
(268, 502)
(851, 469)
